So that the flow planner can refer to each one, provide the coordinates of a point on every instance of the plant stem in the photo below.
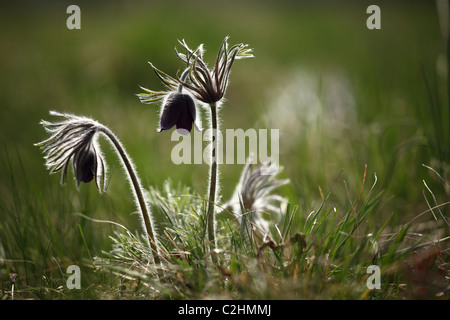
(210, 214)
(448, 80)
(138, 191)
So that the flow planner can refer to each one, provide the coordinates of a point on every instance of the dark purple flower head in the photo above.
(74, 141)
(179, 110)
(85, 164)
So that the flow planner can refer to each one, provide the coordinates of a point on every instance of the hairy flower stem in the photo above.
(182, 78)
(210, 213)
(138, 190)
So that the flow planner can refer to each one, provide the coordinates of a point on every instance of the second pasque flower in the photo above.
(179, 110)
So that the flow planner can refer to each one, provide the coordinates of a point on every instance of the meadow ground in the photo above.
(363, 117)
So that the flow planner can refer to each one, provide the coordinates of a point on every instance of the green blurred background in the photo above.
(341, 95)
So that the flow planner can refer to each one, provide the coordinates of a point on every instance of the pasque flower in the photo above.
(203, 84)
(206, 85)
(74, 141)
(179, 110)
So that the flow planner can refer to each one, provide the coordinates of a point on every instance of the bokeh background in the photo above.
(342, 96)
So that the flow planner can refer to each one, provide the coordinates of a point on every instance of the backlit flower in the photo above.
(179, 110)
(208, 85)
(74, 141)
(203, 84)
(252, 198)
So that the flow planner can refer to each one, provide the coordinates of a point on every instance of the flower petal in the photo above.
(179, 110)
(187, 114)
(73, 142)
(171, 111)
(85, 164)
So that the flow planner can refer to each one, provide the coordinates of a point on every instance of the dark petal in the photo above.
(85, 165)
(89, 175)
(184, 123)
(191, 106)
(192, 111)
(187, 115)
(179, 110)
(89, 169)
(171, 111)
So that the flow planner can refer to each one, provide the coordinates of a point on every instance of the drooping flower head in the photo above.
(179, 110)
(74, 141)
(206, 85)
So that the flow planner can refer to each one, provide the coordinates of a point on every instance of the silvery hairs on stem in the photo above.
(74, 141)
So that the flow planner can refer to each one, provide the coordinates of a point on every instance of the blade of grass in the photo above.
(84, 242)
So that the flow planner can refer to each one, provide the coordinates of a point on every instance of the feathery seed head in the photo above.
(253, 194)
